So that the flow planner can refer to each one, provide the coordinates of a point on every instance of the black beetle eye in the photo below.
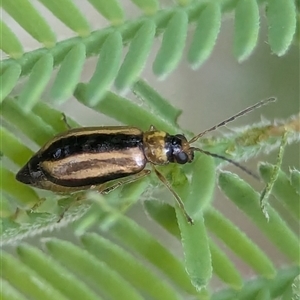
(182, 158)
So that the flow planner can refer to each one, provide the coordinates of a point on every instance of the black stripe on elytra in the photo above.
(86, 181)
(90, 143)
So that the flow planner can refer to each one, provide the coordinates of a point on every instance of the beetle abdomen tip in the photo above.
(24, 175)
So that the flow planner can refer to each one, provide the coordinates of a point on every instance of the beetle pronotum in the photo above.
(93, 157)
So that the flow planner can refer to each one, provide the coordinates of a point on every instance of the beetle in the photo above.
(102, 157)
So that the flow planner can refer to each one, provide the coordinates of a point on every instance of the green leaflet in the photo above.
(28, 17)
(248, 200)
(69, 74)
(172, 22)
(53, 117)
(27, 281)
(239, 243)
(6, 208)
(136, 56)
(158, 104)
(295, 180)
(69, 14)
(126, 111)
(111, 10)
(224, 267)
(196, 249)
(9, 42)
(202, 184)
(164, 214)
(28, 123)
(138, 239)
(125, 263)
(251, 288)
(55, 274)
(9, 79)
(106, 69)
(172, 45)
(281, 16)
(205, 36)
(24, 195)
(38, 79)
(246, 28)
(107, 281)
(8, 292)
(148, 6)
(263, 294)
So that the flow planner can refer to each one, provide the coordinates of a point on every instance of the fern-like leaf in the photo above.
(124, 260)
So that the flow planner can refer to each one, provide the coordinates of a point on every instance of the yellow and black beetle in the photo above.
(91, 157)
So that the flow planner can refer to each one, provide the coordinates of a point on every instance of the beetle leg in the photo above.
(103, 189)
(38, 204)
(78, 197)
(178, 200)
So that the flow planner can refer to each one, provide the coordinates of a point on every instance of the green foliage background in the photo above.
(92, 265)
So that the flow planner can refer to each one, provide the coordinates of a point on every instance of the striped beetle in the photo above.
(98, 157)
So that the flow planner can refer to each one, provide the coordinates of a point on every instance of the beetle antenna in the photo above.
(241, 113)
(229, 160)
